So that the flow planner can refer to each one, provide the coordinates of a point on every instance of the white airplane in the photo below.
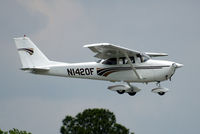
(116, 64)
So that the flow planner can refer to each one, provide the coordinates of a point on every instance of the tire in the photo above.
(161, 93)
(132, 93)
(120, 91)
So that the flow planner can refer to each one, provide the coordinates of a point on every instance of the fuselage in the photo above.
(116, 64)
(151, 71)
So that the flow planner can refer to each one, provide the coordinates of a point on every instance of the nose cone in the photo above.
(178, 65)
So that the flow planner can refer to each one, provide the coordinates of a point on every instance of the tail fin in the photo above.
(30, 55)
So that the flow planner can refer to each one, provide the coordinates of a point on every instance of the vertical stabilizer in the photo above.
(30, 55)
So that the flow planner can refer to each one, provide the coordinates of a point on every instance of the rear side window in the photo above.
(111, 61)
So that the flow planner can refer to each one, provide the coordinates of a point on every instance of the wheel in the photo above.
(132, 93)
(120, 91)
(161, 93)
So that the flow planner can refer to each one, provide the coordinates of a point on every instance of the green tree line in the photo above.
(90, 121)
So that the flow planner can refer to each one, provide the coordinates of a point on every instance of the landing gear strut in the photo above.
(159, 86)
(158, 83)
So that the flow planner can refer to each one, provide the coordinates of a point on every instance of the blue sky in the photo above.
(60, 28)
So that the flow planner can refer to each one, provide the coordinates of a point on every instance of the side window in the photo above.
(132, 59)
(139, 58)
(111, 61)
(123, 60)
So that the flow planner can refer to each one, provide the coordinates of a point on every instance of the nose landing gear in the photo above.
(159, 90)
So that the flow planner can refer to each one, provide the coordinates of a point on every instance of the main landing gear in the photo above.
(125, 88)
(132, 90)
(131, 93)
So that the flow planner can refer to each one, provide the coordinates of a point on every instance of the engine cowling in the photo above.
(160, 90)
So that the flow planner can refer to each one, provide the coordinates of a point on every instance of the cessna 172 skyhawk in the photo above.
(116, 64)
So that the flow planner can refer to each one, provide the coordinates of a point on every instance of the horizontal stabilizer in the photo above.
(36, 68)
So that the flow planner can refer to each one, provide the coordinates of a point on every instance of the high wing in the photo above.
(107, 50)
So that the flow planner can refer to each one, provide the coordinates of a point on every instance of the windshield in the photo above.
(143, 57)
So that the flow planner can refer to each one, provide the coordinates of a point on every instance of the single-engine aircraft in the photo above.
(116, 64)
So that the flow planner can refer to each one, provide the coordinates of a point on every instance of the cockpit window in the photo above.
(124, 60)
(132, 59)
(143, 57)
(111, 61)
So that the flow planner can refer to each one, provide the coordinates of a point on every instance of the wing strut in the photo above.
(134, 69)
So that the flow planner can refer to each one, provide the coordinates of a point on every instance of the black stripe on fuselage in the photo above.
(104, 70)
